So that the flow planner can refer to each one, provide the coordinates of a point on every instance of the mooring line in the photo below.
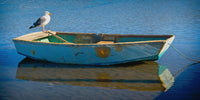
(183, 54)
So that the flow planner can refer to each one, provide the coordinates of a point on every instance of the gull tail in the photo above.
(31, 27)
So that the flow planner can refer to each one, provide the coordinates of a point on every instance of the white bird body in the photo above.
(48, 18)
(42, 21)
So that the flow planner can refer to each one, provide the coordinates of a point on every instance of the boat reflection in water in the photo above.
(140, 76)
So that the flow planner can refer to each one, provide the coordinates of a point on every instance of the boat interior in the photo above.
(91, 38)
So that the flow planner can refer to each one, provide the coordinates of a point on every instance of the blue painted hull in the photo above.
(91, 54)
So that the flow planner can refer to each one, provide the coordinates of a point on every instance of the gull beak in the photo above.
(50, 14)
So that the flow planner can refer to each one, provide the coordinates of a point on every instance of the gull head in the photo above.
(47, 13)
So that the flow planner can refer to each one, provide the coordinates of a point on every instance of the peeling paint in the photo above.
(118, 48)
(62, 59)
(78, 53)
(125, 50)
(33, 52)
(102, 52)
(83, 39)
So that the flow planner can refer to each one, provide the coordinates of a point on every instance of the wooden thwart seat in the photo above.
(105, 42)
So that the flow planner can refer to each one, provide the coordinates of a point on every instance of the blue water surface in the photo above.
(178, 17)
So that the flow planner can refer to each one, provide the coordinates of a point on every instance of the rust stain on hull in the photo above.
(118, 48)
(33, 52)
(102, 52)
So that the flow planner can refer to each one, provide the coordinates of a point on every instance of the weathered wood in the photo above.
(32, 36)
(106, 52)
(105, 42)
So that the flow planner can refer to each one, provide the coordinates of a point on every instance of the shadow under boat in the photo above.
(137, 76)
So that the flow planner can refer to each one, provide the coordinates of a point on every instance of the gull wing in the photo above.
(40, 21)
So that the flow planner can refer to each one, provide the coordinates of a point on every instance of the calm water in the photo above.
(171, 77)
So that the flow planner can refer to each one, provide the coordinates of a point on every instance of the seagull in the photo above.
(42, 21)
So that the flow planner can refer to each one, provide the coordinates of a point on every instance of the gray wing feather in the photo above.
(39, 21)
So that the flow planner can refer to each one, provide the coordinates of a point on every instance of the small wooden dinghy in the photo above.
(91, 48)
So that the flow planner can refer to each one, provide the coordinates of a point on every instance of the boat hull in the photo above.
(92, 54)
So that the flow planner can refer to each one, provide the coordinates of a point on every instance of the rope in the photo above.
(183, 54)
(182, 69)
